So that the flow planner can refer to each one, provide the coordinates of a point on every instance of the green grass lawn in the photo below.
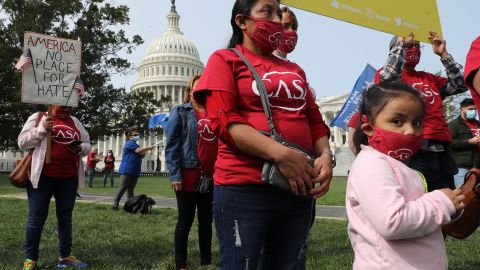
(118, 240)
(159, 186)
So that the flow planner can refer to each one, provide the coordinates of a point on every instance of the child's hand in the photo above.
(455, 196)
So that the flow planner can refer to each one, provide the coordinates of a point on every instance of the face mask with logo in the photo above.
(412, 57)
(471, 114)
(396, 145)
(266, 35)
(288, 41)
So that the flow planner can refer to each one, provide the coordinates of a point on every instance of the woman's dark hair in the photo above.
(189, 88)
(375, 98)
(110, 151)
(129, 131)
(240, 7)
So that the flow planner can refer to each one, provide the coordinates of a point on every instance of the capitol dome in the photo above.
(169, 63)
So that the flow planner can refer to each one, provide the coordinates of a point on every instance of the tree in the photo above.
(94, 22)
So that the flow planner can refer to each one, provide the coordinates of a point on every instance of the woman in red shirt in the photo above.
(109, 168)
(60, 179)
(248, 212)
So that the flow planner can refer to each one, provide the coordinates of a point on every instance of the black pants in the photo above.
(127, 183)
(437, 167)
(187, 203)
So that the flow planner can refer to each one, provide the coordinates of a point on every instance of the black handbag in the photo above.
(271, 174)
(205, 184)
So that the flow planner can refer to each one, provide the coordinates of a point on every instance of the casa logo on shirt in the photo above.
(64, 134)
(427, 93)
(285, 90)
(205, 131)
(401, 154)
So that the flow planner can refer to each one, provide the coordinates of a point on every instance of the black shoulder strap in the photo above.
(261, 89)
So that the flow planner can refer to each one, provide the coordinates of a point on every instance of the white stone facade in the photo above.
(169, 63)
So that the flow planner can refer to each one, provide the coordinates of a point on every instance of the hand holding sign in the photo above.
(439, 45)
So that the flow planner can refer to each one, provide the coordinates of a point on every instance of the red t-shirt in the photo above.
(207, 144)
(475, 129)
(64, 164)
(471, 64)
(109, 162)
(295, 113)
(434, 124)
(190, 179)
(91, 163)
(354, 121)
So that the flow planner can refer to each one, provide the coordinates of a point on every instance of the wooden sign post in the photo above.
(50, 79)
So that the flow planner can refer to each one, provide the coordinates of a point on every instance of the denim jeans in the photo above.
(187, 204)
(249, 216)
(90, 174)
(108, 173)
(435, 166)
(64, 191)
(459, 177)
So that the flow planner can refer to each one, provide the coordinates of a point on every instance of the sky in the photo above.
(333, 53)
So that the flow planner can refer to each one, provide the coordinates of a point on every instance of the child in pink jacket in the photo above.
(393, 222)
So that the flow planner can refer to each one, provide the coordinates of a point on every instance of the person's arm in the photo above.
(456, 83)
(235, 131)
(457, 143)
(392, 70)
(142, 150)
(31, 136)
(381, 200)
(173, 146)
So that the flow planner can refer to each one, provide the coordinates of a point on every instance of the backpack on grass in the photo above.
(139, 204)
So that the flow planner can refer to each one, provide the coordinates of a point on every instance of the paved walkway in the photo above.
(322, 211)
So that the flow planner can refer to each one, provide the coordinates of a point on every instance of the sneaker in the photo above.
(115, 207)
(71, 261)
(30, 265)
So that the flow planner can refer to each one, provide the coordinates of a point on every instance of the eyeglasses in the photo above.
(136, 134)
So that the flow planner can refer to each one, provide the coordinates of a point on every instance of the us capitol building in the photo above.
(170, 61)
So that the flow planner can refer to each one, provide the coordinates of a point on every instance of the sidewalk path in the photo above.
(322, 211)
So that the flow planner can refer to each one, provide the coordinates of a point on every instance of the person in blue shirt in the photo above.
(130, 166)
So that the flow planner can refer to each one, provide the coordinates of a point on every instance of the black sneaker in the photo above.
(115, 207)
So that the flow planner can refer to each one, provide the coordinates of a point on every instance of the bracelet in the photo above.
(334, 160)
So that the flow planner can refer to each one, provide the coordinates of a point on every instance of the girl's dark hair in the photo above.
(240, 7)
(189, 88)
(129, 131)
(375, 98)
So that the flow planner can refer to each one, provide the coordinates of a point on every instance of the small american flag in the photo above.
(25, 59)
(79, 86)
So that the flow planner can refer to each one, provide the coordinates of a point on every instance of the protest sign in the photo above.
(390, 16)
(54, 70)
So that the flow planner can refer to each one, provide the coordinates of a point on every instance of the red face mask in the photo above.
(412, 57)
(267, 34)
(62, 111)
(396, 145)
(288, 41)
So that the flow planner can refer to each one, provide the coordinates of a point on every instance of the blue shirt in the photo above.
(131, 162)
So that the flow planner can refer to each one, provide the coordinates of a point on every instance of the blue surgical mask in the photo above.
(136, 138)
(471, 114)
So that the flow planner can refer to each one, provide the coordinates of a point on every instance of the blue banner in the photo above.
(353, 102)
(158, 119)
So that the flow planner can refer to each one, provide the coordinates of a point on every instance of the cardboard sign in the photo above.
(55, 66)
(390, 16)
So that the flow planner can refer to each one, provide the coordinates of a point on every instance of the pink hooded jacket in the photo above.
(393, 223)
